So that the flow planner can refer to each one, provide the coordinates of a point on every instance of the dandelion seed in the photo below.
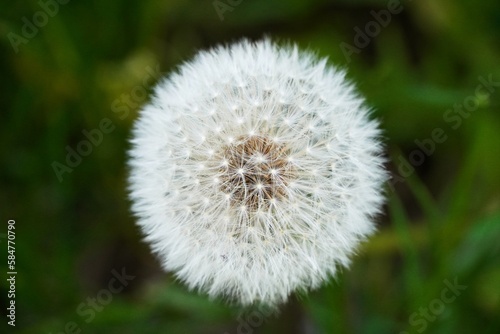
(281, 188)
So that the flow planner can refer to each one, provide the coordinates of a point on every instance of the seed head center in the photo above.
(257, 172)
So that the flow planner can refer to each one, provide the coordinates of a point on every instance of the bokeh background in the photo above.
(96, 60)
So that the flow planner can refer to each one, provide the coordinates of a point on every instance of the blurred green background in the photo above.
(82, 62)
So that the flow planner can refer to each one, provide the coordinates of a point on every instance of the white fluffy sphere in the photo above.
(255, 172)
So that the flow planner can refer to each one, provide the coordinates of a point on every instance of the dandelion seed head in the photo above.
(256, 171)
